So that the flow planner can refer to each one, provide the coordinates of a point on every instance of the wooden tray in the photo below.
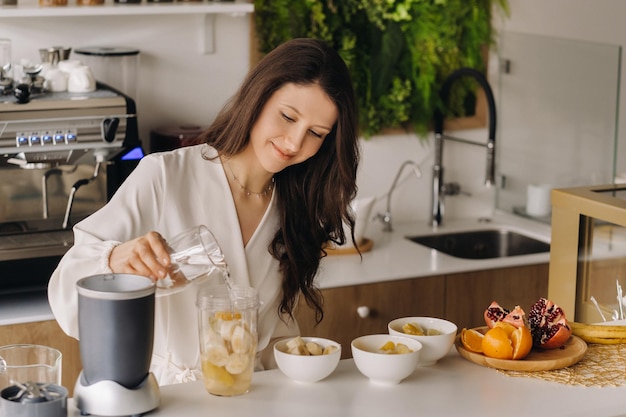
(537, 360)
(365, 246)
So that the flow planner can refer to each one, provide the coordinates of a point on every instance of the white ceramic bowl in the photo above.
(384, 368)
(307, 368)
(433, 347)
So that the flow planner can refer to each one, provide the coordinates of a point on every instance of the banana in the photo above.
(599, 333)
(391, 348)
(227, 328)
(237, 363)
(217, 355)
(296, 346)
(329, 349)
(314, 349)
(241, 340)
(216, 376)
(413, 329)
(604, 340)
(402, 348)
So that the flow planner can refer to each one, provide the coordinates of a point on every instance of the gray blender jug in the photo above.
(116, 333)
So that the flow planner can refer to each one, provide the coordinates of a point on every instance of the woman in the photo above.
(273, 181)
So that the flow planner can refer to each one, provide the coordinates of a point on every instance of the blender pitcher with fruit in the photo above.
(227, 320)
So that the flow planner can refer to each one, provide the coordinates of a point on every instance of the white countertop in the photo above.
(27, 307)
(392, 257)
(452, 387)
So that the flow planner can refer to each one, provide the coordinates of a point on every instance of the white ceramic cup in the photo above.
(68, 65)
(56, 80)
(538, 203)
(81, 80)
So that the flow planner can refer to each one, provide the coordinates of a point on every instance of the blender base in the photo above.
(108, 398)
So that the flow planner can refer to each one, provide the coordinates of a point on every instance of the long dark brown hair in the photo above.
(313, 197)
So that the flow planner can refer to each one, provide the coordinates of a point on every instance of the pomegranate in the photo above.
(494, 313)
(548, 325)
(516, 317)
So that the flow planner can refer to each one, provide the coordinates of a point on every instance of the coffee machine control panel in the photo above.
(60, 128)
(74, 133)
(45, 138)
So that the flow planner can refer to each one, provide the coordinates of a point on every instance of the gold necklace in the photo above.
(248, 193)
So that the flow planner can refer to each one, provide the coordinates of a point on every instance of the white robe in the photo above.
(169, 192)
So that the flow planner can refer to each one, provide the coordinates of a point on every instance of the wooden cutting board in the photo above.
(537, 360)
(365, 245)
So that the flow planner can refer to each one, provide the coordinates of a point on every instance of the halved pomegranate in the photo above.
(495, 313)
(548, 325)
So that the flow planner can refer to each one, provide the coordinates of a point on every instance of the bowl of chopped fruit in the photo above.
(307, 359)
(436, 336)
(385, 359)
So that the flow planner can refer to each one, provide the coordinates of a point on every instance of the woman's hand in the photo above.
(146, 255)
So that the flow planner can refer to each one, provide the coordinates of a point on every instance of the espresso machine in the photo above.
(116, 333)
(62, 156)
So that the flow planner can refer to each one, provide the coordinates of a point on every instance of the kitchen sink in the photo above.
(483, 244)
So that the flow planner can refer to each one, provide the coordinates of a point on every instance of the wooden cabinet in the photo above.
(382, 302)
(470, 293)
(460, 298)
(47, 333)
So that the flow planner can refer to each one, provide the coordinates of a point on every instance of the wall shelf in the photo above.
(206, 12)
(235, 8)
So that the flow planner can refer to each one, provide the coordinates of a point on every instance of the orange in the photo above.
(505, 341)
(472, 340)
(227, 315)
(522, 342)
(496, 344)
(507, 327)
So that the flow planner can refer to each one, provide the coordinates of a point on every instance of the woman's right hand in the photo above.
(146, 255)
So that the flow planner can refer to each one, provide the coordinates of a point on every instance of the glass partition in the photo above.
(557, 115)
(588, 252)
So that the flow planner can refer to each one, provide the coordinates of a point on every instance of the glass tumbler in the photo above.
(227, 319)
(196, 257)
(29, 363)
(5, 58)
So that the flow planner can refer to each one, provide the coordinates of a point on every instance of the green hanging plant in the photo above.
(398, 51)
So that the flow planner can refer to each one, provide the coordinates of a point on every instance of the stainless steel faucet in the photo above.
(439, 188)
(386, 217)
